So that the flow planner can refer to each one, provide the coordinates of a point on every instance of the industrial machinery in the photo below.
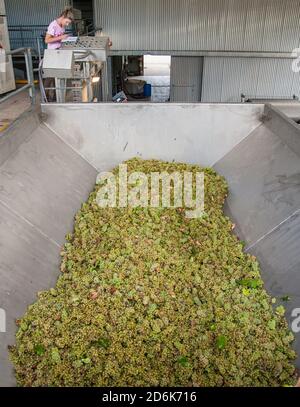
(79, 68)
(78, 26)
(49, 164)
(7, 80)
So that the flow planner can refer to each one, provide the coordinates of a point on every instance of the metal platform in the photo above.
(49, 164)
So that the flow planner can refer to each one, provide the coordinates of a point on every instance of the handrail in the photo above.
(30, 77)
(34, 41)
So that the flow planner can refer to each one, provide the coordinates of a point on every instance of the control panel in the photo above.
(98, 47)
(86, 43)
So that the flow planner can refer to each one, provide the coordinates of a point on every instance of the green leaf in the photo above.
(55, 356)
(183, 361)
(221, 342)
(178, 345)
(23, 326)
(197, 301)
(39, 350)
(152, 308)
(53, 292)
(250, 283)
(246, 292)
(272, 324)
(86, 361)
(280, 310)
(103, 343)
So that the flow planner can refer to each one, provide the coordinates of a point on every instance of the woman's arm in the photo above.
(49, 38)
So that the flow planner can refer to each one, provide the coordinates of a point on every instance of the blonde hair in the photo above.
(68, 13)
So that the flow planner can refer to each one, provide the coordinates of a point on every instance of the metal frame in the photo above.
(61, 86)
(203, 53)
(30, 77)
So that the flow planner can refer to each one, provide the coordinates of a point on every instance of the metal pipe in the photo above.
(25, 81)
(64, 87)
(14, 93)
(30, 76)
(85, 54)
(17, 51)
(42, 88)
(202, 53)
(27, 65)
(39, 49)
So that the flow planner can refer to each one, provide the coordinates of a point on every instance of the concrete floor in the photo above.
(14, 108)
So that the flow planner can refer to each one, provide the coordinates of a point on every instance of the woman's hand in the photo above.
(49, 38)
(64, 37)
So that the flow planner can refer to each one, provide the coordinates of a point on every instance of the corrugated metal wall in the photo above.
(166, 25)
(186, 79)
(197, 25)
(28, 19)
(224, 79)
(212, 25)
(33, 12)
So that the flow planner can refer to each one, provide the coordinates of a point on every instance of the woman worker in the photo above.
(56, 30)
(54, 36)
